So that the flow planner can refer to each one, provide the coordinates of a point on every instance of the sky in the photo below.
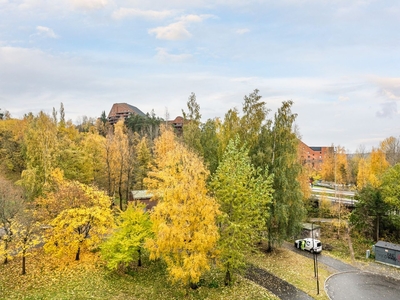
(337, 60)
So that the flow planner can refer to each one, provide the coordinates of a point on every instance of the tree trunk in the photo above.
(377, 229)
(270, 245)
(108, 172)
(193, 286)
(23, 264)
(128, 186)
(78, 253)
(120, 194)
(140, 258)
(5, 255)
(228, 278)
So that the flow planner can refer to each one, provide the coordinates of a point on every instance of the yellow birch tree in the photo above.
(121, 158)
(184, 220)
(371, 170)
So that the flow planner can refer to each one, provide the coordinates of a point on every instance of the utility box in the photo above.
(387, 253)
(310, 230)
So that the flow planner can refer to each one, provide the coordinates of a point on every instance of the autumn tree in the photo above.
(122, 161)
(228, 130)
(391, 187)
(286, 210)
(142, 162)
(210, 143)
(71, 157)
(244, 196)
(27, 235)
(86, 124)
(353, 162)
(335, 167)
(109, 160)
(132, 139)
(41, 146)
(371, 169)
(184, 219)
(12, 202)
(378, 166)
(126, 243)
(192, 124)
(341, 164)
(12, 145)
(145, 126)
(362, 174)
(328, 165)
(253, 120)
(94, 158)
(369, 211)
(391, 147)
(79, 216)
(102, 125)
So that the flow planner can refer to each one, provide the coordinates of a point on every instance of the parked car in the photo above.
(307, 244)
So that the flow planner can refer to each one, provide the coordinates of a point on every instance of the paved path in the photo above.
(364, 281)
(277, 286)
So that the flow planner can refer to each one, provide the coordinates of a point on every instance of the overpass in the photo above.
(338, 196)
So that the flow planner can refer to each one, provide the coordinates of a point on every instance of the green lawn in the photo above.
(47, 278)
(295, 269)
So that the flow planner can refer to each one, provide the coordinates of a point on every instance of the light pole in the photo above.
(315, 257)
(334, 155)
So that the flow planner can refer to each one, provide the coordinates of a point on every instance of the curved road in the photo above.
(362, 285)
(353, 283)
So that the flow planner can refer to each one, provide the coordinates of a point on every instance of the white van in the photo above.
(307, 244)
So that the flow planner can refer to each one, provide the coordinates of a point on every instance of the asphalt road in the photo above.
(362, 285)
(352, 283)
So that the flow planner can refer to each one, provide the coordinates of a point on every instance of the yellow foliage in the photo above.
(78, 215)
(370, 170)
(184, 220)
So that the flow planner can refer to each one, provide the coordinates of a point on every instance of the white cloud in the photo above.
(29, 4)
(390, 94)
(177, 31)
(388, 87)
(89, 4)
(191, 18)
(164, 56)
(242, 30)
(124, 12)
(44, 31)
(173, 32)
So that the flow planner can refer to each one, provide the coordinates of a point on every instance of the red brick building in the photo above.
(122, 110)
(313, 156)
(177, 124)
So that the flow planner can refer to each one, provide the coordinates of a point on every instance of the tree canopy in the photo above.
(184, 220)
(244, 196)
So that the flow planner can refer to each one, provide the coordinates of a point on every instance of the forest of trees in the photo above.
(222, 187)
